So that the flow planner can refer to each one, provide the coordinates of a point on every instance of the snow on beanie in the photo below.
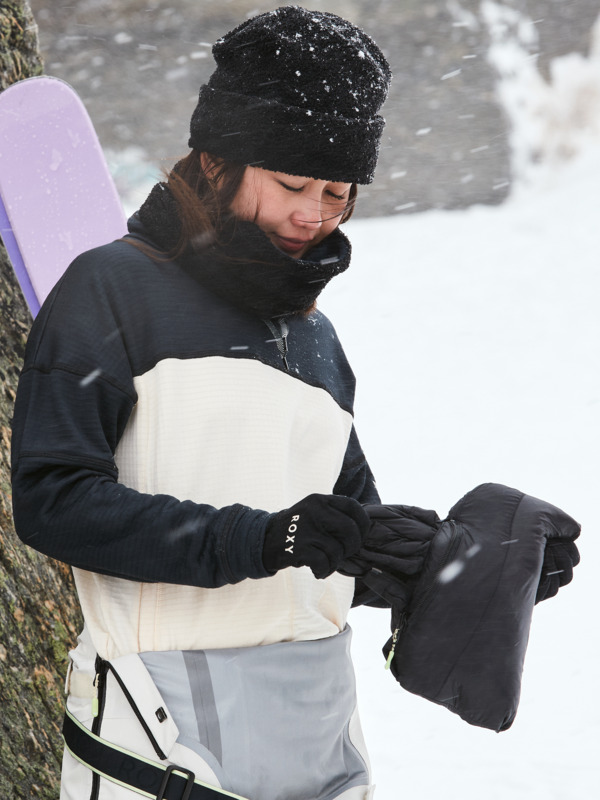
(295, 91)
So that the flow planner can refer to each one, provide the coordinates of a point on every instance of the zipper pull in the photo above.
(95, 704)
(99, 676)
(280, 332)
(395, 635)
(390, 657)
(284, 350)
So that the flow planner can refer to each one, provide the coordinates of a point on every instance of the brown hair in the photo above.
(204, 198)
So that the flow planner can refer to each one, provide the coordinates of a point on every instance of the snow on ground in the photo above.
(475, 338)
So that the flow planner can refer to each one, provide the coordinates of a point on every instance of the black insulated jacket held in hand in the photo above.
(462, 593)
(393, 553)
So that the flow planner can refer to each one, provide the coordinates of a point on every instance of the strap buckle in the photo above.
(189, 783)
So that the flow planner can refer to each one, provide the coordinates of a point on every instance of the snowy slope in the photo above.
(475, 338)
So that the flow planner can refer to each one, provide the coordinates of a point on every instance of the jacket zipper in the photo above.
(405, 615)
(279, 328)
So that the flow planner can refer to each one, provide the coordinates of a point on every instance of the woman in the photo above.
(179, 391)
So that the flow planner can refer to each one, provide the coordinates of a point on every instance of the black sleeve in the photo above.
(75, 396)
(356, 480)
(363, 596)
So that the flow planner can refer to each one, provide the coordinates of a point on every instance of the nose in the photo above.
(308, 212)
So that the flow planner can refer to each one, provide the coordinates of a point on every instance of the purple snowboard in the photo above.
(57, 197)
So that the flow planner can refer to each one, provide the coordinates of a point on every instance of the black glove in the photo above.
(318, 532)
(393, 551)
(560, 556)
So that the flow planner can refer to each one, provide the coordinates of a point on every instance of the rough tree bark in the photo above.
(39, 616)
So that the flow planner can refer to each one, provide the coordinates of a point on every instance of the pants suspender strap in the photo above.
(147, 778)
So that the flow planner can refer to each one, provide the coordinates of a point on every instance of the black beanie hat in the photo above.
(295, 91)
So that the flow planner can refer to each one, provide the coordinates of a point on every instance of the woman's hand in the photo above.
(319, 532)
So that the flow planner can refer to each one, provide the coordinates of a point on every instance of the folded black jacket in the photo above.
(462, 593)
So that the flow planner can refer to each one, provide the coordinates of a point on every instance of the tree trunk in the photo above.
(39, 615)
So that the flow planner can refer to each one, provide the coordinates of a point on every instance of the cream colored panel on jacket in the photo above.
(229, 430)
(220, 431)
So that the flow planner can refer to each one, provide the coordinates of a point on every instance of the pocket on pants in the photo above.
(131, 714)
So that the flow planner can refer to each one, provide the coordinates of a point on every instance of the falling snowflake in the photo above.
(90, 378)
(450, 572)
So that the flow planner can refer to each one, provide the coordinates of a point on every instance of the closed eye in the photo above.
(297, 189)
(290, 188)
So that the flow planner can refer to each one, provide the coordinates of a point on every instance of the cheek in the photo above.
(330, 224)
(245, 203)
(271, 212)
(244, 207)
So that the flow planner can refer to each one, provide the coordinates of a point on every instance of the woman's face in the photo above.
(295, 213)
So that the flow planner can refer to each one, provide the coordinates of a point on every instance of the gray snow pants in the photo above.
(276, 722)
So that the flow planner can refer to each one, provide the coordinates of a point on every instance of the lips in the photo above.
(290, 245)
